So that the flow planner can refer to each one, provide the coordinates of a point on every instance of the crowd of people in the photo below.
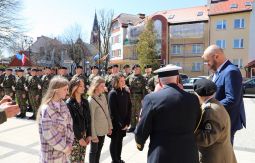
(73, 112)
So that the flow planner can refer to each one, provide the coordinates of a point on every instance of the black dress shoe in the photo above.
(32, 117)
(22, 115)
(131, 129)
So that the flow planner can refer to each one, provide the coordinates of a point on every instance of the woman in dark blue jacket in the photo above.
(120, 108)
(80, 112)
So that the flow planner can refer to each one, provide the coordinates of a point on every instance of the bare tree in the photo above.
(73, 40)
(105, 24)
(10, 26)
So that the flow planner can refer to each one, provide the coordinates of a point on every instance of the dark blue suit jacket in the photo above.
(230, 94)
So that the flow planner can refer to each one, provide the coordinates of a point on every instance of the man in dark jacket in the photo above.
(170, 117)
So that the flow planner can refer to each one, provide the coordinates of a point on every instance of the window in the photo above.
(238, 43)
(196, 49)
(200, 13)
(196, 66)
(238, 23)
(116, 53)
(248, 3)
(115, 39)
(221, 24)
(221, 44)
(171, 16)
(238, 63)
(176, 49)
(234, 5)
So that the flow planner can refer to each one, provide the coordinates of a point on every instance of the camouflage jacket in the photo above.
(33, 82)
(137, 84)
(45, 81)
(20, 83)
(9, 81)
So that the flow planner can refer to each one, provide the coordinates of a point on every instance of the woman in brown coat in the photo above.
(213, 134)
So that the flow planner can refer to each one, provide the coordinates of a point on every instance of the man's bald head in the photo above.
(214, 57)
(212, 50)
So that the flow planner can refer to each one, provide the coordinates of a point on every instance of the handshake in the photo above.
(8, 107)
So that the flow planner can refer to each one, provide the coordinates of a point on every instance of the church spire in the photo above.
(95, 33)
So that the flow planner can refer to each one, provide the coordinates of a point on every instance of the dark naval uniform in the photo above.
(170, 117)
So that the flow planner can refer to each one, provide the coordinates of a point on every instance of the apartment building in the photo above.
(232, 27)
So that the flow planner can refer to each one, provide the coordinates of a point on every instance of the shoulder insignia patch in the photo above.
(208, 126)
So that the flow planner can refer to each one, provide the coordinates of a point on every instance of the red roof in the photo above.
(229, 6)
(251, 64)
(15, 62)
(185, 15)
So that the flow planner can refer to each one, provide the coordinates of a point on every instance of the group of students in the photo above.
(67, 127)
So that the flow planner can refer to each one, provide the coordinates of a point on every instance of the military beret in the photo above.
(109, 67)
(19, 70)
(78, 67)
(135, 66)
(168, 70)
(2, 69)
(34, 69)
(115, 65)
(8, 69)
(126, 66)
(147, 66)
(28, 69)
(94, 67)
(62, 67)
(204, 87)
(39, 69)
(47, 68)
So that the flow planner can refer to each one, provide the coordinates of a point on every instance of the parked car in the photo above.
(184, 78)
(188, 86)
(249, 86)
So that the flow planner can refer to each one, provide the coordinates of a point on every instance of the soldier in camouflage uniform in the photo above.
(136, 83)
(33, 86)
(127, 71)
(46, 79)
(1, 81)
(94, 73)
(148, 76)
(152, 83)
(9, 83)
(108, 80)
(79, 74)
(21, 92)
(109, 72)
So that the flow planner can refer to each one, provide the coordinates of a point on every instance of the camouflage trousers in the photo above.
(1, 93)
(78, 152)
(34, 98)
(9, 91)
(136, 100)
(21, 100)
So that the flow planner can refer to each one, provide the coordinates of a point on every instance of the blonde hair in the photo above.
(94, 84)
(55, 83)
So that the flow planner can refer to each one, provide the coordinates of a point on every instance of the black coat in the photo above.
(81, 117)
(120, 109)
(169, 117)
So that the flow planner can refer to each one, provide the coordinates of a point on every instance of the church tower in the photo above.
(95, 33)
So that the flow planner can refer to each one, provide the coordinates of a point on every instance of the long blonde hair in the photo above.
(94, 84)
(55, 83)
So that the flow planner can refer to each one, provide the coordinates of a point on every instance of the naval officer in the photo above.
(170, 117)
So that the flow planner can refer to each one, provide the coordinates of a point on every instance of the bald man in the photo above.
(228, 79)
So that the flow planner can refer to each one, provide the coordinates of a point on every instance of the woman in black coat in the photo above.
(80, 112)
(120, 107)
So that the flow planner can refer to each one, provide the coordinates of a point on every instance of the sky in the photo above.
(53, 17)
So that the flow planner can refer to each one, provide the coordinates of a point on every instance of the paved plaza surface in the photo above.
(19, 142)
